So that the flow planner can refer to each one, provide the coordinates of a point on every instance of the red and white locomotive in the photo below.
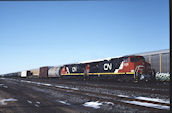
(126, 68)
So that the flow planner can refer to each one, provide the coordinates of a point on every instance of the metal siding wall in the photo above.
(146, 58)
(165, 62)
(155, 62)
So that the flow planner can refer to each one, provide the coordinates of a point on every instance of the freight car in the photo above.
(121, 68)
(14, 74)
(25, 73)
(54, 72)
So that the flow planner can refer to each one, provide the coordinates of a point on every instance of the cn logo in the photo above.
(108, 66)
(74, 69)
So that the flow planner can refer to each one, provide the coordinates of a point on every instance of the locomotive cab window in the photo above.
(136, 59)
(126, 59)
(141, 58)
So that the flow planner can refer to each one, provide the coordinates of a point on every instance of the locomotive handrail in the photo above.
(139, 67)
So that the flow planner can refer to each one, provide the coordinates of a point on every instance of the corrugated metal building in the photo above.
(159, 60)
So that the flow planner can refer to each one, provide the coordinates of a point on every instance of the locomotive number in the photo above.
(74, 69)
(126, 64)
(108, 66)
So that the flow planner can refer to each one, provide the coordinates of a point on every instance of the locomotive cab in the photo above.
(142, 69)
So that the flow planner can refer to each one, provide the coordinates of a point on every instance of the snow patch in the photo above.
(153, 99)
(63, 102)
(36, 105)
(3, 101)
(38, 102)
(46, 84)
(110, 103)
(66, 87)
(148, 104)
(2, 85)
(122, 96)
(5, 86)
(30, 102)
(96, 104)
(147, 98)
(74, 88)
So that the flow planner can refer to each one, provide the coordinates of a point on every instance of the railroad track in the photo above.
(152, 105)
(112, 87)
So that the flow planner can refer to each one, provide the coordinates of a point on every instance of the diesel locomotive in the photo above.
(120, 68)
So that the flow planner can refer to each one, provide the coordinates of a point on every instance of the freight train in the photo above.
(127, 68)
(121, 68)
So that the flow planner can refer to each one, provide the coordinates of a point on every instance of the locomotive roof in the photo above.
(98, 60)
